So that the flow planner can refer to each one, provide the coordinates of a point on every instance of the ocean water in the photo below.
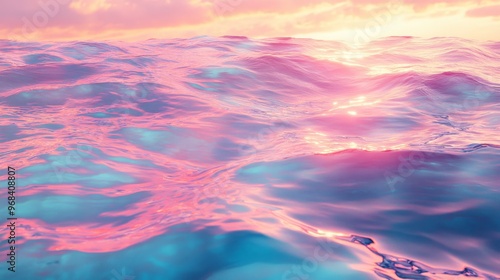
(233, 158)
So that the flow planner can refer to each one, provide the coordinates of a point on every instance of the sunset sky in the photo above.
(351, 20)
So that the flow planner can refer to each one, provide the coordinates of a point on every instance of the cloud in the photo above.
(121, 19)
(89, 7)
(490, 11)
(105, 13)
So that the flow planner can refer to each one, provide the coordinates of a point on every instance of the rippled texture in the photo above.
(230, 158)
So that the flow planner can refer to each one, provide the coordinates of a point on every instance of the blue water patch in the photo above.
(41, 58)
(66, 209)
(52, 126)
(100, 115)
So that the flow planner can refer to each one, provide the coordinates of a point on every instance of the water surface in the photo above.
(232, 158)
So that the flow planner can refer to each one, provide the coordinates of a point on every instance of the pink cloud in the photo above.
(157, 13)
(491, 11)
(59, 19)
(418, 5)
(121, 14)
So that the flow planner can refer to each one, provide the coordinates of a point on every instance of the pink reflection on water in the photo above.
(132, 145)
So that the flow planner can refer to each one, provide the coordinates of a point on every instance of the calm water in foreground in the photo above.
(237, 159)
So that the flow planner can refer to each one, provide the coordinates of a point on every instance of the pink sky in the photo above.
(350, 20)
